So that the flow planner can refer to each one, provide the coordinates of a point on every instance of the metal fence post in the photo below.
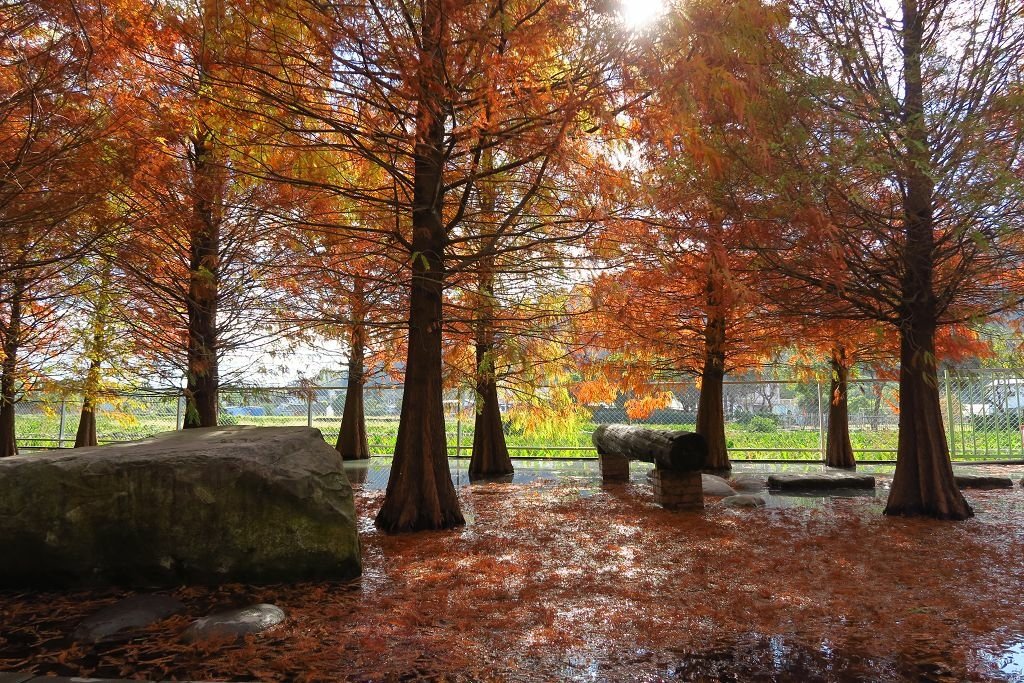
(949, 414)
(821, 423)
(60, 430)
(309, 408)
(178, 410)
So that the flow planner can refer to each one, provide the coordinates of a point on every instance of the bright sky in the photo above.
(638, 14)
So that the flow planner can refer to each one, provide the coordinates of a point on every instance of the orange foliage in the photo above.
(547, 582)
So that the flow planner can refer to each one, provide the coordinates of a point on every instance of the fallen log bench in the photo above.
(678, 458)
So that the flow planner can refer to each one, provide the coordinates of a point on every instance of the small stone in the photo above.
(981, 481)
(716, 486)
(744, 500)
(234, 624)
(124, 619)
(748, 482)
(822, 481)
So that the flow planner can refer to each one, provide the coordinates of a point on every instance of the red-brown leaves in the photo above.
(553, 580)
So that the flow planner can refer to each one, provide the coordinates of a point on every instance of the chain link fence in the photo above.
(765, 420)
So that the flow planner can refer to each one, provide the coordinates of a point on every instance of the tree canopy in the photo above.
(497, 194)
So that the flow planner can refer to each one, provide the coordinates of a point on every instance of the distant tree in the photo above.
(909, 151)
(199, 264)
(401, 87)
(682, 295)
(59, 110)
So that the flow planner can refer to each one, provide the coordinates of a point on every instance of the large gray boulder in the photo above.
(202, 505)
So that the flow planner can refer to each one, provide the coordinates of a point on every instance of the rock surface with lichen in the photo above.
(252, 504)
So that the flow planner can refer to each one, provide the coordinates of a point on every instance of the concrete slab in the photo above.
(15, 677)
(982, 481)
(822, 481)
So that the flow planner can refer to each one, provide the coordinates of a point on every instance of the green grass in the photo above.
(41, 429)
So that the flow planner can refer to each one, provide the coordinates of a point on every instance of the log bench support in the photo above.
(614, 468)
(678, 490)
(677, 457)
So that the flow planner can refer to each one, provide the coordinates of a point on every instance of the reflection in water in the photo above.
(757, 657)
(584, 476)
(358, 471)
(1010, 661)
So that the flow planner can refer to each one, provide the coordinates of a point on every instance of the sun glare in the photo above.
(639, 14)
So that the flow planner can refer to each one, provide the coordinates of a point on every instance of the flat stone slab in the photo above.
(820, 481)
(234, 624)
(744, 500)
(982, 481)
(213, 505)
(15, 677)
(126, 618)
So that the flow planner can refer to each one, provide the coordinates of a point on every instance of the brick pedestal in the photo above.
(614, 468)
(678, 490)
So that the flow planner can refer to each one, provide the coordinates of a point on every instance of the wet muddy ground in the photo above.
(556, 577)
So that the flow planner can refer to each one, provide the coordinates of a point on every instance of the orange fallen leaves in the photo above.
(551, 581)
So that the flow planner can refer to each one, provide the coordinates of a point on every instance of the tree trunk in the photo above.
(420, 493)
(352, 441)
(202, 381)
(923, 483)
(711, 417)
(97, 351)
(838, 449)
(8, 369)
(710, 403)
(86, 434)
(490, 456)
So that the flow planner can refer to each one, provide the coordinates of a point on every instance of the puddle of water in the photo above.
(819, 499)
(1009, 661)
(583, 478)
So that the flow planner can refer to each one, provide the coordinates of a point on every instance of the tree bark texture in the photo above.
(490, 456)
(710, 411)
(202, 381)
(670, 450)
(8, 371)
(923, 483)
(352, 441)
(86, 434)
(838, 449)
(420, 494)
(96, 352)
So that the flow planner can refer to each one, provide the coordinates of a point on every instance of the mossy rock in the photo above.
(222, 504)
